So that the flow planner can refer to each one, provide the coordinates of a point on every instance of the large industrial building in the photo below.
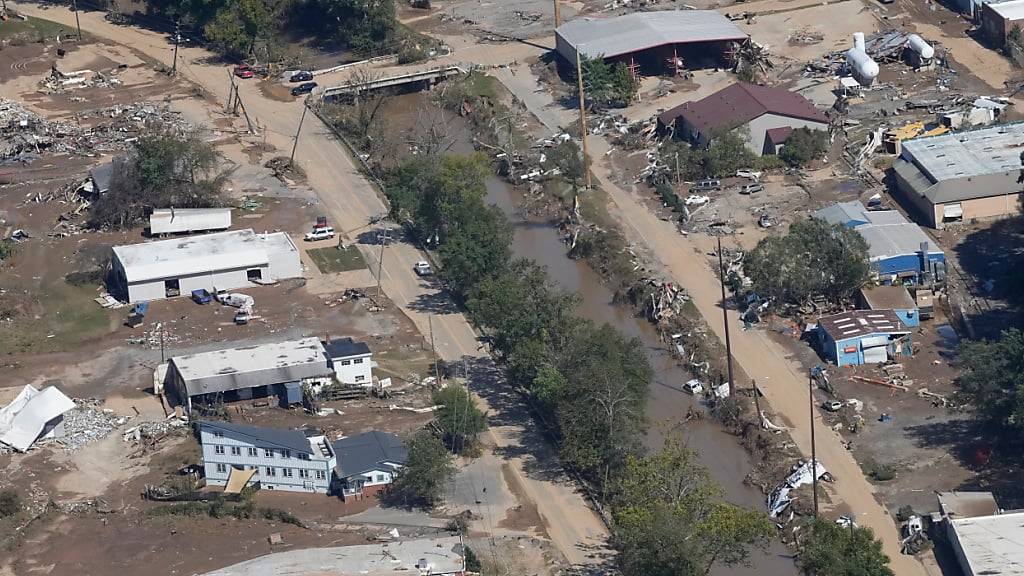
(654, 41)
(899, 250)
(275, 369)
(961, 176)
(225, 261)
(984, 538)
(765, 117)
(999, 18)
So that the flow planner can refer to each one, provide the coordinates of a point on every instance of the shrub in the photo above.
(10, 503)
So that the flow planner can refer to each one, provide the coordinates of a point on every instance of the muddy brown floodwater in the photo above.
(667, 403)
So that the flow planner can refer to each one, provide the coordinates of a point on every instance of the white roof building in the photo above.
(224, 260)
(178, 220)
(989, 544)
(33, 415)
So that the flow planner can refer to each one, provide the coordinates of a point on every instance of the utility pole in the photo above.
(291, 160)
(725, 318)
(77, 22)
(814, 449)
(757, 402)
(433, 350)
(558, 14)
(678, 179)
(162, 359)
(177, 40)
(583, 118)
(384, 237)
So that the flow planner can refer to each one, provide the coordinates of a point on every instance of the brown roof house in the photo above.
(769, 115)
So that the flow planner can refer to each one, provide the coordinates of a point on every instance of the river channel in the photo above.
(667, 403)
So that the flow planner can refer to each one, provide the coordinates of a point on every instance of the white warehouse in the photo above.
(225, 260)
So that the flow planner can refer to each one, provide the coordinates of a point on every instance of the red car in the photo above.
(244, 71)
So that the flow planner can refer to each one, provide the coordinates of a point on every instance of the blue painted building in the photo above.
(895, 298)
(899, 250)
(863, 337)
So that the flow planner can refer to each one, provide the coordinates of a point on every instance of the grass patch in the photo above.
(67, 316)
(334, 259)
(33, 29)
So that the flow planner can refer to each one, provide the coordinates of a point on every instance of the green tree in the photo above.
(163, 170)
(569, 160)
(670, 519)
(427, 469)
(459, 418)
(607, 85)
(814, 259)
(803, 146)
(478, 249)
(991, 380)
(367, 26)
(727, 153)
(237, 26)
(833, 550)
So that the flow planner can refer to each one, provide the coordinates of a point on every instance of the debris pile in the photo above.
(88, 423)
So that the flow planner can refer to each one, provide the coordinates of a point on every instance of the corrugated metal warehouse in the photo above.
(180, 220)
(898, 250)
(261, 370)
(961, 176)
(652, 40)
(863, 337)
(225, 260)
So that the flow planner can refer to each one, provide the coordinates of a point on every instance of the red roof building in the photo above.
(769, 114)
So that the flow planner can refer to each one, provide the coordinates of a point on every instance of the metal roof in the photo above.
(292, 439)
(888, 298)
(967, 504)
(200, 254)
(991, 544)
(344, 347)
(251, 366)
(740, 103)
(1012, 10)
(954, 155)
(367, 452)
(26, 418)
(889, 234)
(171, 220)
(856, 323)
(608, 37)
(843, 213)
(441, 556)
(102, 175)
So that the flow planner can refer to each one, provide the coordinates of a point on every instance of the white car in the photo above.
(320, 234)
(694, 387)
(422, 268)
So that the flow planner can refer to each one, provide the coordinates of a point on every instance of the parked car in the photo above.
(706, 185)
(244, 71)
(303, 88)
(422, 268)
(325, 233)
(301, 76)
(765, 221)
(751, 188)
(202, 296)
(694, 387)
(832, 405)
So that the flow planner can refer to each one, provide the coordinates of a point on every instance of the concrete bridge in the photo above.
(424, 78)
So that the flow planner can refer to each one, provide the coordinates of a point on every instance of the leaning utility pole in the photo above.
(177, 40)
(583, 119)
(291, 159)
(77, 22)
(558, 14)
(725, 317)
(384, 237)
(814, 449)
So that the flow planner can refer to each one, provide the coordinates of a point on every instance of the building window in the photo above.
(346, 362)
(222, 468)
(360, 378)
(271, 471)
(236, 450)
(218, 433)
(380, 477)
(218, 449)
(303, 456)
(357, 361)
(303, 473)
(268, 452)
(286, 472)
(252, 451)
(286, 453)
(320, 475)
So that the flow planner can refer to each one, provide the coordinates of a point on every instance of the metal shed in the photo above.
(863, 337)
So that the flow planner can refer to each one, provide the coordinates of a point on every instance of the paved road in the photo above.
(351, 201)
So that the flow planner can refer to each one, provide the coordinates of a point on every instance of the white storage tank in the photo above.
(862, 66)
(923, 49)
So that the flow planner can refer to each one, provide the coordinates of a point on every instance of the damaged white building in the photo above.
(33, 415)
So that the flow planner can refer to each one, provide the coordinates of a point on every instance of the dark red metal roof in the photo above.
(740, 103)
(778, 135)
